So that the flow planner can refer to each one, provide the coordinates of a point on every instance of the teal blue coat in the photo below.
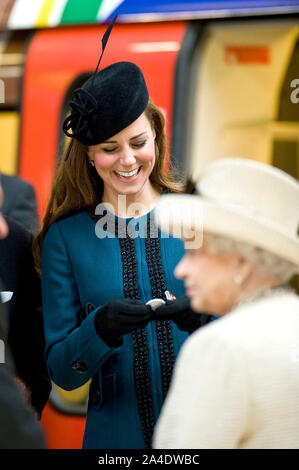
(79, 267)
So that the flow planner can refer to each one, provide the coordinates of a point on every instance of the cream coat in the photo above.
(236, 382)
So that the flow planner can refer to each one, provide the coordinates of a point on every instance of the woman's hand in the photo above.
(120, 317)
(181, 313)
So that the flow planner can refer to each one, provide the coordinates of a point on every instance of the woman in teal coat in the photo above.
(103, 258)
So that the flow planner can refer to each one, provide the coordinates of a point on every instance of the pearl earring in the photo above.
(238, 279)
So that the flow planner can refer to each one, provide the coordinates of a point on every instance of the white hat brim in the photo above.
(181, 213)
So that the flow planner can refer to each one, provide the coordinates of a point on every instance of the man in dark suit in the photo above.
(20, 202)
(18, 427)
(26, 333)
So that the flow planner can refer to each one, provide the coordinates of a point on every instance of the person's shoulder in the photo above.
(285, 296)
(253, 322)
(74, 217)
(227, 333)
(6, 179)
(70, 222)
(267, 308)
(244, 333)
(204, 337)
(14, 180)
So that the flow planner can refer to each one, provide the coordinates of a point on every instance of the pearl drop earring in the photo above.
(238, 279)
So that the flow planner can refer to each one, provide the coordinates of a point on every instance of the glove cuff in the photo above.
(111, 340)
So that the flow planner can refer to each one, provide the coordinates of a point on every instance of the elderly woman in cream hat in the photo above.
(236, 382)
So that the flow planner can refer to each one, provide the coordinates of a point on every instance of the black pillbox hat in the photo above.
(107, 103)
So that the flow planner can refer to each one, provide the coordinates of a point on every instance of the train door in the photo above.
(239, 100)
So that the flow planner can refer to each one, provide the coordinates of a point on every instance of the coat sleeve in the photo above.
(207, 404)
(74, 351)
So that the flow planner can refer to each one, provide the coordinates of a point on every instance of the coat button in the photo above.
(79, 367)
(95, 397)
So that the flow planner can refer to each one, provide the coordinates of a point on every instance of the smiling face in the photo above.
(126, 160)
(209, 279)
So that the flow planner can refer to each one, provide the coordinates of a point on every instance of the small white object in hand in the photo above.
(155, 303)
(5, 296)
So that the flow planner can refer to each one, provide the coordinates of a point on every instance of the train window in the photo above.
(237, 72)
(12, 57)
(9, 135)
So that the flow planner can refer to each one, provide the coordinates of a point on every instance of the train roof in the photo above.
(21, 14)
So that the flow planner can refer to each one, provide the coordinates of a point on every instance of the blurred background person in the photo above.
(20, 201)
(25, 316)
(18, 427)
(236, 381)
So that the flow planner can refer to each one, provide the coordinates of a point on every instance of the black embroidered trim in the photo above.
(141, 352)
(158, 284)
(140, 343)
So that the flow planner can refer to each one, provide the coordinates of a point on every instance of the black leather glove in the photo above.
(120, 317)
(181, 313)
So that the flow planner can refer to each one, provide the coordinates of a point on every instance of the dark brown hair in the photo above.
(77, 185)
